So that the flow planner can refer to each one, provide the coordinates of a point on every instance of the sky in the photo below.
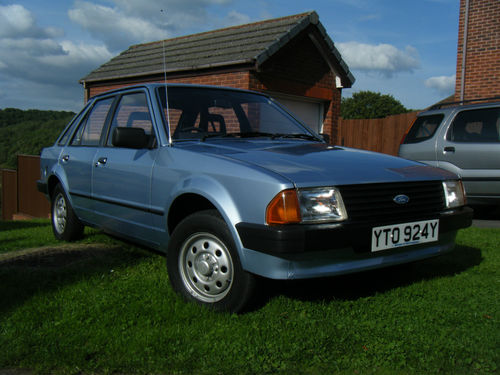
(405, 48)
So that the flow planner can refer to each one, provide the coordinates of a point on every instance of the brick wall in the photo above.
(238, 79)
(299, 69)
(482, 72)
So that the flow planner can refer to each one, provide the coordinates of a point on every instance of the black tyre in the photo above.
(203, 264)
(65, 224)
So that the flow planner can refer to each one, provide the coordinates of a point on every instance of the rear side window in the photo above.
(476, 126)
(69, 129)
(89, 132)
(423, 128)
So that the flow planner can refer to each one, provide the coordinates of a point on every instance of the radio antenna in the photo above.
(166, 88)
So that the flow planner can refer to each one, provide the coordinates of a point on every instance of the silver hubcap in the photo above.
(60, 213)
(206, 267)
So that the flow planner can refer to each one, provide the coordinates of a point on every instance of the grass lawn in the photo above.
(107, 307)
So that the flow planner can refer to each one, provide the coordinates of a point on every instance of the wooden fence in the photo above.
(20, 197)
(9, 194)
(380, 135)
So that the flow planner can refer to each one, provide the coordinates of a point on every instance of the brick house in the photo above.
(291, 58)
(478, 53)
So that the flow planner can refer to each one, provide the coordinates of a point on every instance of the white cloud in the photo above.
(443, 84)
(16, 21)
(33, 61)
(73, 54)
(382, 58)
(39, 68)
(236, 18)
(137, 21)
(48, 61)
(115, 28)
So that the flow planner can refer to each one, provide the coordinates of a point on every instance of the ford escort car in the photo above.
(231, 186)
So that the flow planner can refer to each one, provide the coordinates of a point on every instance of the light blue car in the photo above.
(230, 185)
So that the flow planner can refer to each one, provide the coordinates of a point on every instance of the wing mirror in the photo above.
(130, 138)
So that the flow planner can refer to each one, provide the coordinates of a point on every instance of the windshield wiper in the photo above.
(262, 134)
(238, 135)
(300, 136)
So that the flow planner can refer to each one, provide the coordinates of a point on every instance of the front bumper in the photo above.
(298, 238)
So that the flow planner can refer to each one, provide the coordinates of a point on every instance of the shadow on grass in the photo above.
(23, 224)
(25, 274)
(486, 212)
(370, 283)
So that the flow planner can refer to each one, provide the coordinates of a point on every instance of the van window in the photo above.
(423, 128)
(476, 126)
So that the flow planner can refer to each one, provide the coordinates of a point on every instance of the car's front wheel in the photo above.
(65, 224)
(204, 266)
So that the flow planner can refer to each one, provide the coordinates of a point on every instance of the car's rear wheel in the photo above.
(65, 224)
(204, 266)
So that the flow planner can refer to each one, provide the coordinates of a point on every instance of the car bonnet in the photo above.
(319, 164)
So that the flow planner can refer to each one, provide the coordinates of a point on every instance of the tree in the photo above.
(28, 131)
(369, 104)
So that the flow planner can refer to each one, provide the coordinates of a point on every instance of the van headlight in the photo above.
(314, 205)
(454, 193)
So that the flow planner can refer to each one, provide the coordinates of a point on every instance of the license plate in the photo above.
(397, 235)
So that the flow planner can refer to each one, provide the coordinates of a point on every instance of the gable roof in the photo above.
(250, 44)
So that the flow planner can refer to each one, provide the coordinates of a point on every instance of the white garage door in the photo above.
(309, 112)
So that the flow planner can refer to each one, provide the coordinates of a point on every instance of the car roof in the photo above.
(445, 108)
(153, 86)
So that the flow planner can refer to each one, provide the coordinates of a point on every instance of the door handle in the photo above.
(65, 158)
(449, 149)
(101, 161)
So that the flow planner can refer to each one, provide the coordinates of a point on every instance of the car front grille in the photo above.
(374, 203)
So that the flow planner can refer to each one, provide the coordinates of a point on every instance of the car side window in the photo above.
(476, 126)
(423, 128)
(69, 130)
(89, 132)
(132, 112)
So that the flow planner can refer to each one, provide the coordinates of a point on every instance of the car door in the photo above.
(77, 156)
(471, 148)
(121, 183)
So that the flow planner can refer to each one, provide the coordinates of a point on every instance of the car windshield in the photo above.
(204, 113)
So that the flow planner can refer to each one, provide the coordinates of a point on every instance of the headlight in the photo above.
(306, 206)
(454, 194)
(321, 204)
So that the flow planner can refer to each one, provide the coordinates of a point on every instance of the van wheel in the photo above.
(65, 224)
(204, 266)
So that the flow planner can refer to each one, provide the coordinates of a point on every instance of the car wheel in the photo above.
(65, 224)
(204, 266)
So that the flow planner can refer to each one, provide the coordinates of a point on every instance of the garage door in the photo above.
(309, 112)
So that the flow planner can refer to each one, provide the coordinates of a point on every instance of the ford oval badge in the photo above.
(401, 199)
